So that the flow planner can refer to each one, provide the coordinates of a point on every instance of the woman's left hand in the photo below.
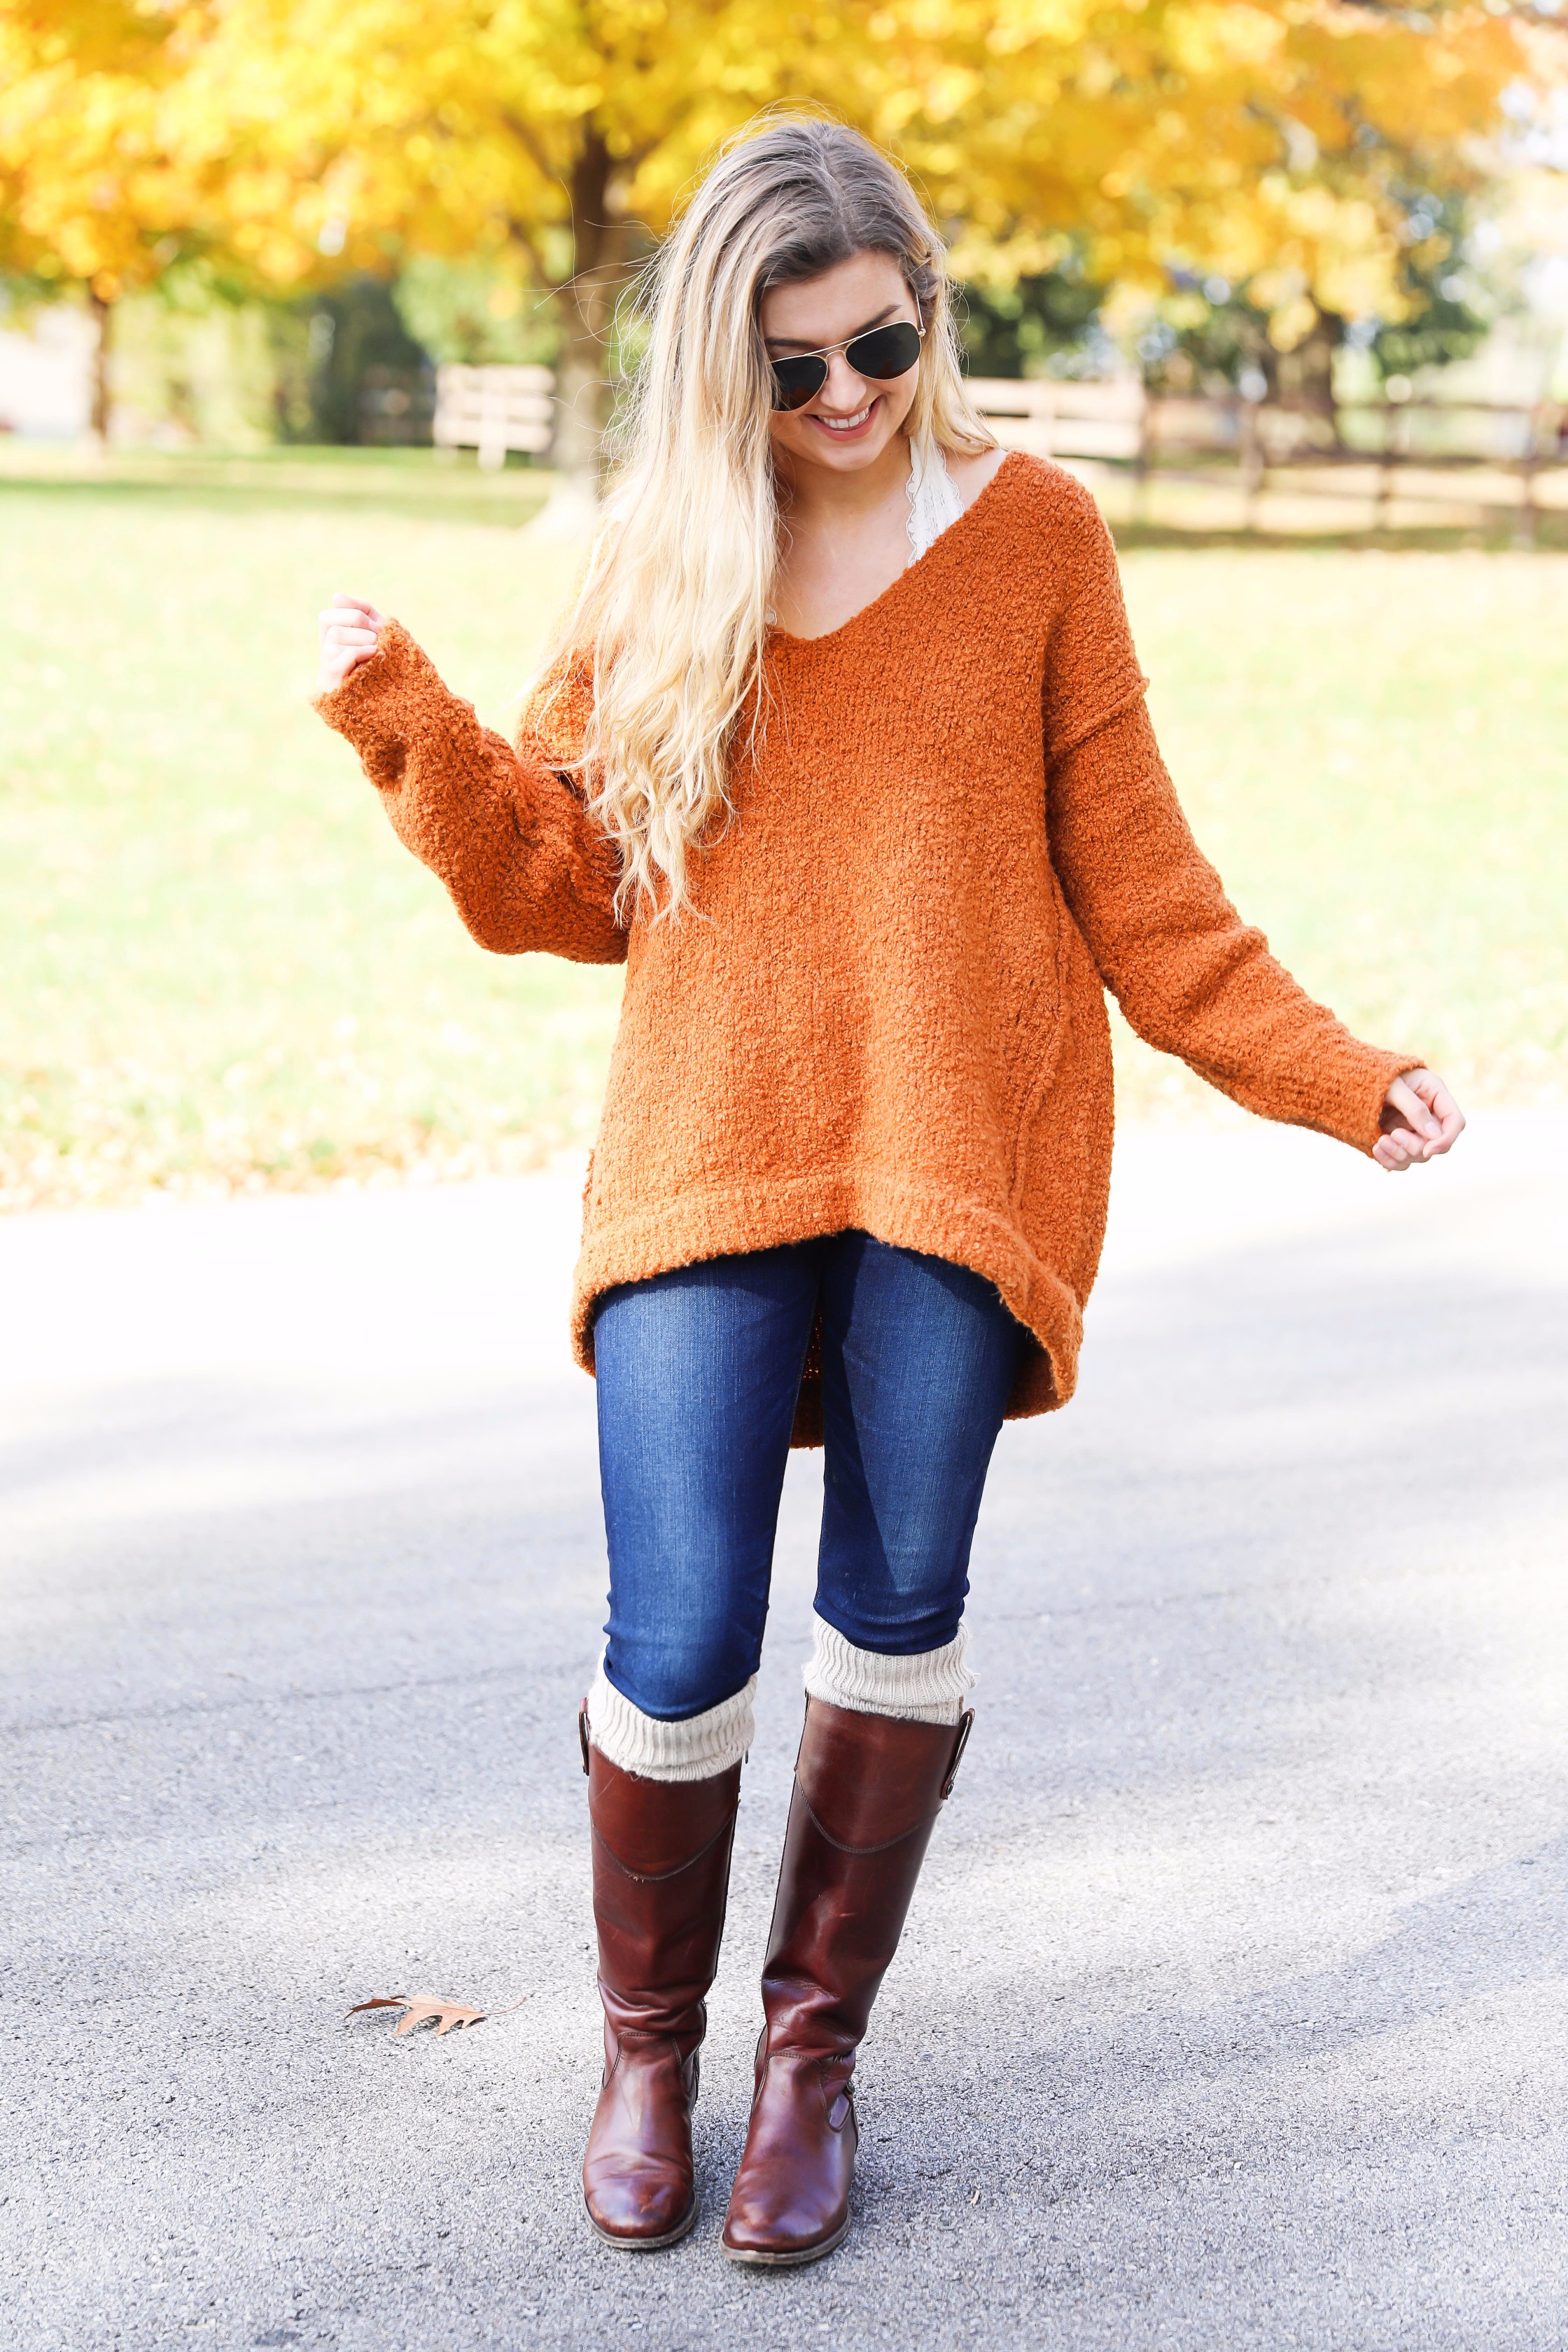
(1420, 1120)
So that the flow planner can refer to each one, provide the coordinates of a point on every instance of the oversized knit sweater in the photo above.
(887, 1010)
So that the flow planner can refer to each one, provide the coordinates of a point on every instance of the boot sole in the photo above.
(793, 2259)
(683, 2229)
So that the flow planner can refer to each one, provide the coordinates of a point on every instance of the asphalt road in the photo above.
(1234, 2007)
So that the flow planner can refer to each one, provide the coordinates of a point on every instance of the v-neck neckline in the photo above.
(777, 636)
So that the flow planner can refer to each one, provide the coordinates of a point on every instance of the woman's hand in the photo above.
(350, 634)
(1420, 1119)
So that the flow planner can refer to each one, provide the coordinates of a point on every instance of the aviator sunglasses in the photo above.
(879, 355)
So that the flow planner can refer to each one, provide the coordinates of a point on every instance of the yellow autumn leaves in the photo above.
(285, 140)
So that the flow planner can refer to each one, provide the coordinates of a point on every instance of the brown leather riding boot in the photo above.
(867, 1789)
(661, 1873)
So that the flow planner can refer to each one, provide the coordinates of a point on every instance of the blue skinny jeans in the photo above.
(699, 1370)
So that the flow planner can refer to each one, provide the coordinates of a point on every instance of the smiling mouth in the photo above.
(846, 424)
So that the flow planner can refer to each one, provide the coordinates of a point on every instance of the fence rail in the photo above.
(1421, 454)
(1413, 451)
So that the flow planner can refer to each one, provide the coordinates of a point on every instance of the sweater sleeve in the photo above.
(1192, 978)
(504, 829)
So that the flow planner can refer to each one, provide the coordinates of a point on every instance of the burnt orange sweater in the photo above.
(889, 1014)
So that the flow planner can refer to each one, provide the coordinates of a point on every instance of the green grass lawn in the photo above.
(219, 969)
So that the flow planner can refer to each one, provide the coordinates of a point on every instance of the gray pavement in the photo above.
(1233, 2008)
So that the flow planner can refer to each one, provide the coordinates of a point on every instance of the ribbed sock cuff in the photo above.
(698, 1750)
(930, 1687)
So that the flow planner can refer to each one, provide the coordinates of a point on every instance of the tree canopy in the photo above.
(1279, 143)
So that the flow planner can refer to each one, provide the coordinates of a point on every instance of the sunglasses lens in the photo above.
(885, 352)
(797, 381)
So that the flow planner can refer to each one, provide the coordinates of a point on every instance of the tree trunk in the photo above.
(102, 313)
(586, 307)
(1306, 375)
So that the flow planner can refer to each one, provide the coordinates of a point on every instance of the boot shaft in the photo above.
(867, 1793)
(662, 1875)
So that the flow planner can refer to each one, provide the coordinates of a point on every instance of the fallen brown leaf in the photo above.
(427, 2008)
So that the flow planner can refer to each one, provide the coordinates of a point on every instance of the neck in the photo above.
(809, 493)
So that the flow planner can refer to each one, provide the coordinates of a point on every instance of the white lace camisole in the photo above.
(933, 497)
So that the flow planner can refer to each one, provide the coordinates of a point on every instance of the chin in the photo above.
(858, 455)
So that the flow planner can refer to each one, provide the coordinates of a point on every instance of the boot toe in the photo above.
(794, 2229)
(790, 2207)
(647, 2208)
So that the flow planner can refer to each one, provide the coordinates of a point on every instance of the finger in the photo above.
(1403, 1096)
(335, 668)
(1443, 1122)
(350, 603)
(1446, 1120)
(358, 609)
(1449, 1117)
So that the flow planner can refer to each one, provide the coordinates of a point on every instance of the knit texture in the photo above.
(930, 1687)
(887, 1013)
(693, 1751)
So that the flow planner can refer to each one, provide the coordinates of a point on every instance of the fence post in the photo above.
(1142, 461)
(1387, 458)
(1524, 521)
(1251, 448)
(492, 424)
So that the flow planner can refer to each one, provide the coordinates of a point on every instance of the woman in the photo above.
(843, 750)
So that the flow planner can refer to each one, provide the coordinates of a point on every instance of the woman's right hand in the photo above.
(350, 634)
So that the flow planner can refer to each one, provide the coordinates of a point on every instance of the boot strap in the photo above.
(965, 1725)
(657, 1877)
(859, 1853)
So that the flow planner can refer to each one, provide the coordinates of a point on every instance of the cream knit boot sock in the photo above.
(696, 1749)
(930, 1687)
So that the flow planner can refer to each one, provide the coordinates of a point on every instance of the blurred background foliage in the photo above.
(1211, 189)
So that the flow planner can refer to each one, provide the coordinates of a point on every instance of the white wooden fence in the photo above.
(1052, 419)
(1420, 450)
(494, 409)
(1437, 457)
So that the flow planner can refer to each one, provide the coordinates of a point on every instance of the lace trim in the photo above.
(935, 502)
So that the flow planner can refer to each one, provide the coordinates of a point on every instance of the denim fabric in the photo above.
(698, 1375)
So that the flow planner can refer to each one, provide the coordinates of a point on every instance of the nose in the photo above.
(845, 392)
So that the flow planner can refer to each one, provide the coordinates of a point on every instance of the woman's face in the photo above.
(848, 425)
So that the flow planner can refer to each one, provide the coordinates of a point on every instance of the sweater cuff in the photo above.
(369, 709)
(1363, 1109)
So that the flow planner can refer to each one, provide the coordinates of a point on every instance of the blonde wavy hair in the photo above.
(672, 610)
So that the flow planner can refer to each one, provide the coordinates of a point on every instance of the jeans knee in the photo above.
(674, 1680)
